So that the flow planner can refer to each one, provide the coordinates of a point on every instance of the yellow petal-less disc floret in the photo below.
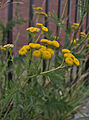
(76, 61)
(49, 42)
(27, 47)
(39, 24)
(46, 55)
(38, 8)
(33, 29)
(45, 29)
(69, 61)
(65, 51)
(69, 55)
(44, 14)
(51, 51)
(42, 49)
(37, 46)
(22, 51)
(44, 40)
(55, 43)
(36, 53)
(34, 46)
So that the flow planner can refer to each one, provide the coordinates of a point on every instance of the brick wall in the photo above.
(23, 9)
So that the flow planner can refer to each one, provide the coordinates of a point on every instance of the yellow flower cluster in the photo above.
(44, 29)
(24, 50)
(46, 53)
(33, 29)
(70, 59)
(39, 11)
(53, 43)
(36, 30)
(40, 51)
(83, 35)
(75, 26)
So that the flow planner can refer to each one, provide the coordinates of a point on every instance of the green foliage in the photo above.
(34, 94)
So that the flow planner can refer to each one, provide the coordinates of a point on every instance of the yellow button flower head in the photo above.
(82, 34)
(27, 47)
(51, 51)
(36, 53)
(34, 45)
(75, 26)
(65, 51)
(42, 49)
(22, 51)
(45, 29)
(49, 42)
(8, 46)
(39, 24)
(33, 29)
(38, 8)
(69, 55)
(76, 61)
(46, 55)
(42, 46)
(69, 61)
(31, 45)
(55, 43)
(2, 48)
(37, 46)
(44, 40)
(42, 13)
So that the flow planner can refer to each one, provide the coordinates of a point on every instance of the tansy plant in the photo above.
(42, 86)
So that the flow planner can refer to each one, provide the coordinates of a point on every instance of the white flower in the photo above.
(8, 46)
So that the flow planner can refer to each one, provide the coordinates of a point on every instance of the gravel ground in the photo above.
(84, 110)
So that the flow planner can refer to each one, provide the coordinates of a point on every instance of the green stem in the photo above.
(39, 37)
(64, 9)
(42, 73)
(45, 72)
(33, 37)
